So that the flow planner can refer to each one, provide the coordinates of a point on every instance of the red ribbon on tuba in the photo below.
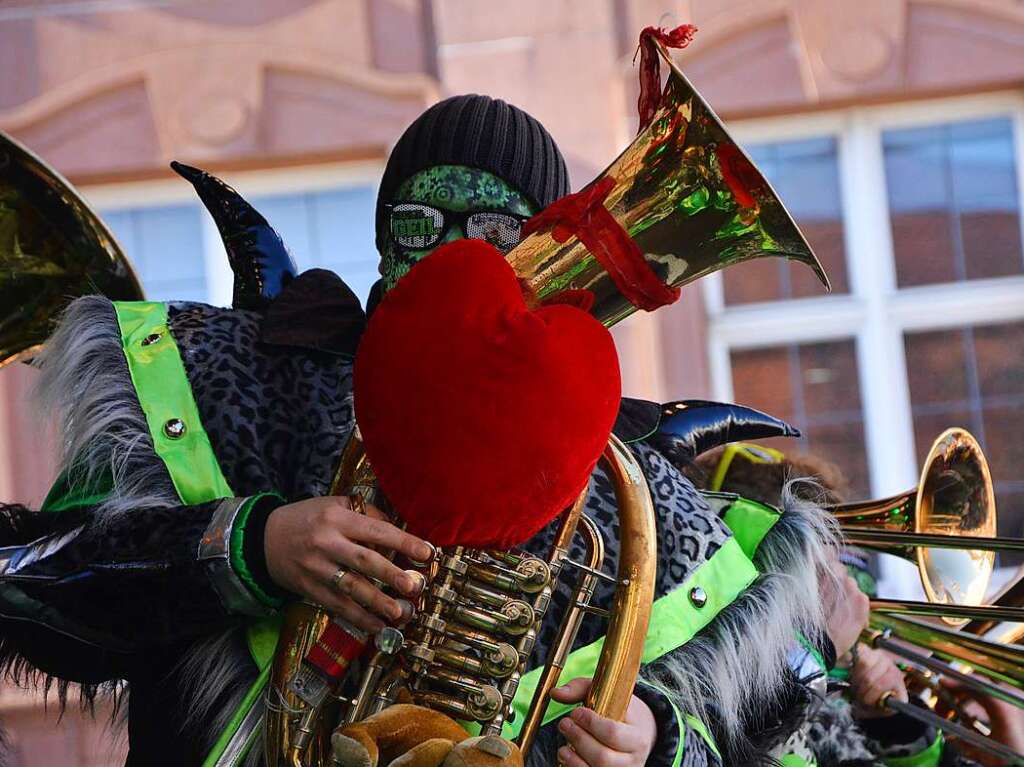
(584, 215)
(650, 65)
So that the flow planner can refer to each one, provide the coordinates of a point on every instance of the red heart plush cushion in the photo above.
(482, 418)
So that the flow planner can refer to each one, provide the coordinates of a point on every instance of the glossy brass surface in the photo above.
(581, 596)
(693, 203)
(1004, 662)
(619, 663)
(989, 668)
(53, 248)
(476, 626)
(293, 736)
(946, 526)
(296, 735)
(1010, 595)
(479, 605)
(687, 195)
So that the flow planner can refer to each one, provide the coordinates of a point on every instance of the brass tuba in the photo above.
(693, 203)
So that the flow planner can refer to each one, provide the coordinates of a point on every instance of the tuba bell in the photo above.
(687, 195)
(693, 203)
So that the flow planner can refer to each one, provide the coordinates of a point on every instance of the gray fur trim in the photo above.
(85, 383)
(736, 668)
(211, 667)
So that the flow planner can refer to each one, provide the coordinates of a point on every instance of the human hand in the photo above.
(846, 608)
(1005, 720)
(306, 543)
(600, 742)
(873, 674)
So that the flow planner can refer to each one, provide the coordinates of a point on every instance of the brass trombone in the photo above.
(970, 660)
(946, 526)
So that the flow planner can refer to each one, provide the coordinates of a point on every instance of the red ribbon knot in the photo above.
(585, 216)
(650, 66)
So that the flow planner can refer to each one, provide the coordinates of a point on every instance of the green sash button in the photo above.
(175, 428)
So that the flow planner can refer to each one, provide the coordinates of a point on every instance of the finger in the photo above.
(868, 663)
(860, 672)
(872, 678)
(573, 692)
(873, 693)
(591, 750)
(377, 532)
(864, 678)
(373, 512)
(899, 686)
(369, 563)
(375, 565)
(891, 677)
(615, 735)
(345, 607)
(355, 586)
(884, 677)
(569, 758)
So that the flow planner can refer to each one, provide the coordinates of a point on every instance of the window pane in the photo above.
(289, 216)
(331, 229)
(806, 176)
(953, 200)
(815, 388)
(345, 227)
(974, 377)
(165, 245)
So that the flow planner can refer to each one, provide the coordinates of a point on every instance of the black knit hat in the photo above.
(478, 132)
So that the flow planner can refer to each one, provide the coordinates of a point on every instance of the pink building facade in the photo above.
(893, 129)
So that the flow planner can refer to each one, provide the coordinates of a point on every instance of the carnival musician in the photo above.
(191, 505)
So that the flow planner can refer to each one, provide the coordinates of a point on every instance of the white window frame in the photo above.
(134, 195)
(874, 313)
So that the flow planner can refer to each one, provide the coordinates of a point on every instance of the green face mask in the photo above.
(455, 190)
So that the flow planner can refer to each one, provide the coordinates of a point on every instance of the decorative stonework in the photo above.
(205, 82)
(840, 50)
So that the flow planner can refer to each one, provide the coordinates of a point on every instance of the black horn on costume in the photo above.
(259, 259)
(690, 427)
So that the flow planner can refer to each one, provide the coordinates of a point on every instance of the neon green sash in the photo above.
(166, 397)
(929, 757)
(750, 521)
(675, 619)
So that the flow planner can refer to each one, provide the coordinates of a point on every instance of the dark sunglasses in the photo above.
(416, 226)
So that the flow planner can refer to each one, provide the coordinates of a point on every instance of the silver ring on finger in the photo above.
(337, 578)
